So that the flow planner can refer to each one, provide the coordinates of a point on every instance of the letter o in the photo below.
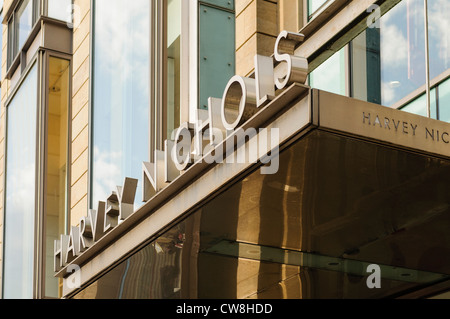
(238, 102)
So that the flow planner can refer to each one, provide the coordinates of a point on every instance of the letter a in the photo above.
(374, 280)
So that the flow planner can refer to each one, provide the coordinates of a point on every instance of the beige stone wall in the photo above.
(6, 5)
(80, 112)
(258, 23)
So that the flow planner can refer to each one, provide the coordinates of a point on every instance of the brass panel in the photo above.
(399, 128)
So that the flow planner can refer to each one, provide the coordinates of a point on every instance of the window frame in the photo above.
(188, 72)
(39, 11)
(44, 121)
(13, 57)
(153, 134)
(35, 61)
(41, 59)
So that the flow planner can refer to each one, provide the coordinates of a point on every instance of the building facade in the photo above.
(225, 149)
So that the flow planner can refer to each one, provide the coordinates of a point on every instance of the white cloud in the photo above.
(122, 35)
(439, 27)
(394, 46)
(107, 173)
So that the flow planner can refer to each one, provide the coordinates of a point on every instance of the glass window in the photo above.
(389, 62)
(10, 48)
(20, 191)
(444, 101)
(419, 105)
(24, 23)
(314, 5)
(330, 75)
(19, 26)
(366, 66)
(60, 9)
(173, 21)
(120, 127)
(56, 172)
(216, 52)
(439, 36)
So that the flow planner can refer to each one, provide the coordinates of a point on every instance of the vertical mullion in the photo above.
(438, 116)
(152, 82)
(41, 148)
(427, 60)
(163, 74)
(348, 73)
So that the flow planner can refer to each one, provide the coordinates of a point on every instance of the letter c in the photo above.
(444, 140)
(221, 310)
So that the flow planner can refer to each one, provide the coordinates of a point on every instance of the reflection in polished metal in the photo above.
(73, 248)
(60, 248)
(181, 151)
(120, 204)
(311, 260)
(216, 129)
(264, 75)
(96, 219)
(238, 102)
(296, 68)
(86, 234)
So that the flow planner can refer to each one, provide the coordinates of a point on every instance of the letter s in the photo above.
(292, 68)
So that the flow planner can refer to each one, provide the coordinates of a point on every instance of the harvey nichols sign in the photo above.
(242, 98)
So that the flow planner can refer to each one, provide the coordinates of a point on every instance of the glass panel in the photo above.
(20, 191)
(366, 66)
(439, 36)
(56, 173)
(389, 63)
(60, 9)
(24, 23)
(173, 65)
(419, 105)
(313, 5)
(330, 75)
(10, 48)
(227, 4)
(121, 94)
(444, 101)
(308, 231)
(217, 44)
